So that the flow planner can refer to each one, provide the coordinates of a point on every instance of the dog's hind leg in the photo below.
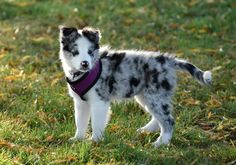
(153, 124)
(159, 105)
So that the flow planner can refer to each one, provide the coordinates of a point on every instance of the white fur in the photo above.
(162, 139)
(97, 109)
(207, 77)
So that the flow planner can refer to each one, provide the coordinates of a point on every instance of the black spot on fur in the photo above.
(145, 67)
(199, 76)
(164, 70)
(154, 71)
(100, 95)
(116, 59)
(96, 46)
(75, 52)
(66, 48)
(166, 85)
(134, 82)
(155, 77)
(93, 35)
(161, 59)
(153, 105)
(66, 31)
(189, 67)
(165, 109)
(129, 94)
(110, 83)
(171, 121)
(104, 54)
(165, 106)
(136, 60)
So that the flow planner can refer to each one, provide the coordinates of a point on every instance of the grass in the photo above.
(36, 114)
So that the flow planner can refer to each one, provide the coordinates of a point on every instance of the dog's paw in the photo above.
(75, 138)
(162, 140)
(159, 143)
(141, 130)
(96, 139)
(147, 130)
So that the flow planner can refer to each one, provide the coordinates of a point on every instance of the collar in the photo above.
(87, 81)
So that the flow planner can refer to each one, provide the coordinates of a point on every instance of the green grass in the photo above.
(36, 114)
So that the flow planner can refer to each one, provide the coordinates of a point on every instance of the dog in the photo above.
(98, 75)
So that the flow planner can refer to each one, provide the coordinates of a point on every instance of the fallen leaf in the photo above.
(206, 126)
(195, 50)
(232, 97)
(44, 37)
(131, 145)
(174, 26)
(193, 2)
(204, 30)
(49, 138)
(66, 160)
(3, 52)
(217, 68)
(23, 4)
(213, 103)
(26, 59)
(16, 75)
(211, 50)
(4, 143)
(220, 127)
(190, 101)
(57, 78)
(10, 78)
(209, 115)
(210, 1)
(114, 128)
(128, 21)
(54, 81)
(179, 54)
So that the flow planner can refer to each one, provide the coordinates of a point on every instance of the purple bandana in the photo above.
(87, 81)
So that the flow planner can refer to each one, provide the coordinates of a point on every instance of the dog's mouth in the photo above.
(77, 73)
(83, 70)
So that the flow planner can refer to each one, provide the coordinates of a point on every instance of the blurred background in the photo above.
(36, 114)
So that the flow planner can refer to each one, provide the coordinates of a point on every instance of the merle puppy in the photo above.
(96, 76)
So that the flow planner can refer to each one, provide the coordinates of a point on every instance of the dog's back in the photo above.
(127, 73)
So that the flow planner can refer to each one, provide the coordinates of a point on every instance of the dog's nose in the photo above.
(85, 64)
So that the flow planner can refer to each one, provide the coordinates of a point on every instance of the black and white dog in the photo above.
(96, 76)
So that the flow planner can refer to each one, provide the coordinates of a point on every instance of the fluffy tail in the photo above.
(201, 76)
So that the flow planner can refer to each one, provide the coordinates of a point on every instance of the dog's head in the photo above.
(79, 47)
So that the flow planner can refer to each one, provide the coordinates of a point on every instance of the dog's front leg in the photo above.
(82, 115)
(99, 117)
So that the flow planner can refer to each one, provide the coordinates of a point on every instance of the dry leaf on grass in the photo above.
(213, 103)
(190, 101)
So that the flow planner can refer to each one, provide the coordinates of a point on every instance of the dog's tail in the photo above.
(201, 76)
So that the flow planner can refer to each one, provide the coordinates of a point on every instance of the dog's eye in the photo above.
(75, 53)
(90, 52)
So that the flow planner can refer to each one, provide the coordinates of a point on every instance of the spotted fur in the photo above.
(149, 77)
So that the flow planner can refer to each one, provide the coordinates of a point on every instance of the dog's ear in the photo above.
(68, 35)
(67, 31)
(92, 34)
